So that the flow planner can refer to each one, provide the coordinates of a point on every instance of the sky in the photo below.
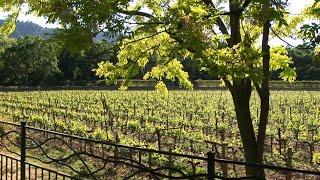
(29, 17)
(296, 7)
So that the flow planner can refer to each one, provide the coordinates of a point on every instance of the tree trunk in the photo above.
(241, 94)
(264, 94)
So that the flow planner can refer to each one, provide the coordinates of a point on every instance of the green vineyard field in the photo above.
(187, 122)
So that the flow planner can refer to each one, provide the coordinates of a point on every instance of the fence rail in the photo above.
(11, 168)
(19, 167)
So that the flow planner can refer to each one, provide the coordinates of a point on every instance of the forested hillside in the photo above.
(29, 29)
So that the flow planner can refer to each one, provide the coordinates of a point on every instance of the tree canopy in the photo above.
(171, 30)
(29, 61)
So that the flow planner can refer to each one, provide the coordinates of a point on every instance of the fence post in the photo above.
(289, 164)
(23, 150)
(158, 139)
(211, 165)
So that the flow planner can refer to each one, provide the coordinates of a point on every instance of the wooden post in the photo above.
(312, 146)
(140, 157)
(150, 159)
(170, 162)
(224, 166)
(297, 139)
(158, 139)
(280, 141)
(167, 123)
(116, 149)
(191, 146)
(134, 110)
(271, 145)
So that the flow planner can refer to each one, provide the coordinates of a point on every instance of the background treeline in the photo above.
(32, 61)
(29, 58)
(29, 29)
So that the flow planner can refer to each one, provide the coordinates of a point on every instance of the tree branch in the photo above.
(220, 23)
(136, 13)
(283, 40)
(147, 23)
(240, 10)
(144, 52)
(179, 40)
(228, 83)
(258, 88)
(146, 37)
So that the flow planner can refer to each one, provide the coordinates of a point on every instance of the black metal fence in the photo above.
(85, 158)
(10, 168)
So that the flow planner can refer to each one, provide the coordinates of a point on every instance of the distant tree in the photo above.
(311, 32)
(78, 66)
(4, 43)
(307, 67)
(302, 62)
(29, 61)
(195, 72)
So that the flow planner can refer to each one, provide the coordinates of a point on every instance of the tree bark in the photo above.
(264, 94)
(235, 36)
(241, 94)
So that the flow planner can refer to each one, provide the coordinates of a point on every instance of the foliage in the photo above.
(5, 42)
(317, 158)
(12, 7)
(9, 25)
(169, 21)
(311, 32)
(168, 30)
(307, 67)
(78, 66)
(168, 41)
(29, 61)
